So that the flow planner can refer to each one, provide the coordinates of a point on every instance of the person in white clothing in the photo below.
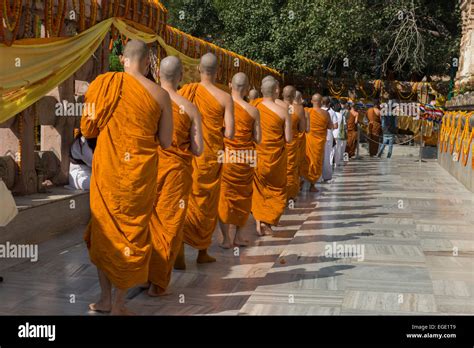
(337, 155)
(80, 168)
(327, 166)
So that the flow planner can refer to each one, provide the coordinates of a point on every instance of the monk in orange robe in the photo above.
(174, 179)
(258, 100)
(319, 123)
(375, 128)
(269, 186)
(298, 125)
(253, 95)
(235, 200)
(132, 117)
(217, 112)
(299, 108)
(352, 132)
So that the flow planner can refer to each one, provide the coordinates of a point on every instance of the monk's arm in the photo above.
(306, 116)
(288, 130)
(196, 134)
(257, 131)
(329, 120)
(229, 118)
(302, 122)
(88, 127)
(165, 128)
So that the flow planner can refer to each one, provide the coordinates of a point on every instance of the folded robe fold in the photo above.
(315, 144)
(269, 184)
(293, 149)
(237, 175)
(125, 121)
(173, 188)
(201, 217)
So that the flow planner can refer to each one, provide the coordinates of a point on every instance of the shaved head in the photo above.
(317, 99)
(208, 64)
(326, 101)
(171, 69)
(289, 93)
(253, 94)
(269, 87)
(268, 77)
(135, 49)
(240, 82)
(298, 97)
(135, 55)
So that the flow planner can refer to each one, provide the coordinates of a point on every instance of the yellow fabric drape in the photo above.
(29, 71)
(30, 68)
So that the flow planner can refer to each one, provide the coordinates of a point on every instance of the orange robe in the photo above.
(201, 217)
(269, 184)
(375, 131)
(292, 149)
(235, 200)
(303, 164)
(255, 102)
(351, 134)
(124, 174)
(174, 185)
(315, 143)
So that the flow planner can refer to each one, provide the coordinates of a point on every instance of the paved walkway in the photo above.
(407, 232)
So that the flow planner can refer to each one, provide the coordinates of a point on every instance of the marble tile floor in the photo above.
(386, 237)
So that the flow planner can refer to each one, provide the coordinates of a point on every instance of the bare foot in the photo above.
(225, 244)
(156, 291)
(204, 257)
(102, 306)
(122, 312)
(313, 189)
(239, 241)
(180, 262)
(267, 230)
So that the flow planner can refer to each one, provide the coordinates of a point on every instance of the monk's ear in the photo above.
(122, 60)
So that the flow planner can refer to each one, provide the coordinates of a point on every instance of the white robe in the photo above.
(327, 166)
(80, 174)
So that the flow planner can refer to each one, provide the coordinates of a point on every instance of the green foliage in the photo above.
(316, 37)
(196, 17)
(114, 60)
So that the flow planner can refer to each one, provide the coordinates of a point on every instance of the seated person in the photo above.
(80, 168)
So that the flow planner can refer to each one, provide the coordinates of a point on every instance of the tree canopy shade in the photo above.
(400, 39)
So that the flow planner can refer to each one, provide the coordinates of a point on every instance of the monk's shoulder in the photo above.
(189, 108)
(224, 96)
(251, 110)
(281, 111)
(101, 80)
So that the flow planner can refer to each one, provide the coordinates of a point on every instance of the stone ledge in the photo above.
(43, 216)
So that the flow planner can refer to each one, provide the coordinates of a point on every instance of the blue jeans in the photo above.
(387, 140)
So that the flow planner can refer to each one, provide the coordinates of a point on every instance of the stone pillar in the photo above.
(465, 71)
(17, 141)
(57, 126)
